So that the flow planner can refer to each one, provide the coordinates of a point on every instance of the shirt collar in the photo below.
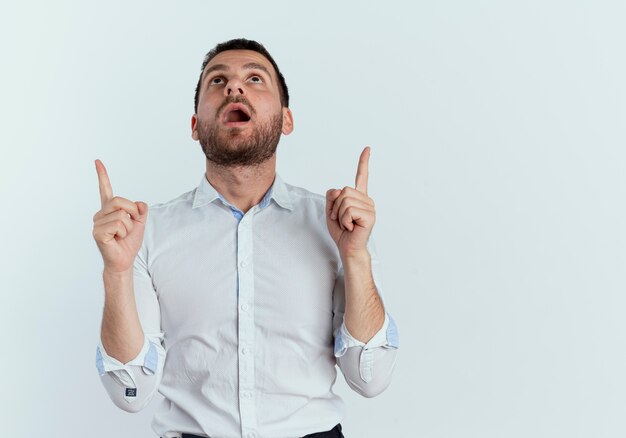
(280, 194)
(206, 194)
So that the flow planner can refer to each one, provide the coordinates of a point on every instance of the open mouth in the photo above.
(236, 114)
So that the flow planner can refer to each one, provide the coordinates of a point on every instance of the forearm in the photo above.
(364, 314)
(121, 334)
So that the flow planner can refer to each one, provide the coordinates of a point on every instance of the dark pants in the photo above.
(335, 432)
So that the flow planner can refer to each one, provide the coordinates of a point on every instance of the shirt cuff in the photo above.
(148, 359)
(387, 337)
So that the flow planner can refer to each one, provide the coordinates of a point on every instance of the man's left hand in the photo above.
(350, 213)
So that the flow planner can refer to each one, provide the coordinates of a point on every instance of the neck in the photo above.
(242, 186)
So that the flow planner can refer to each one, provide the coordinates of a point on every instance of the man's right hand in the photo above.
(118, 227)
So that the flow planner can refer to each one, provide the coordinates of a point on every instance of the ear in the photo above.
(287, 121)
(194, 131)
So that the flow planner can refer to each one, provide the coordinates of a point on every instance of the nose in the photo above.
(234, 87)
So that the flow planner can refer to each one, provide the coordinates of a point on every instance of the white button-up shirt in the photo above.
(243, 316)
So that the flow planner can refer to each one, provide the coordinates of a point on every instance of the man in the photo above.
(236, 300)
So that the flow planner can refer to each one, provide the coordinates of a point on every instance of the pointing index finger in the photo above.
(104, 184)
(362, 171)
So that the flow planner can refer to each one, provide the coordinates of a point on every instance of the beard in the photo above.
(231, 147)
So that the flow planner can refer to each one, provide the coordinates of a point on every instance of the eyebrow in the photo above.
(247, 66)
(257, 66)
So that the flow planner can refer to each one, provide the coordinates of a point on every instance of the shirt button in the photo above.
(251, 435)
(243, 264)
(244, 307)
(244, 351)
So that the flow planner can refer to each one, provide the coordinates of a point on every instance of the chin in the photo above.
(235, 132)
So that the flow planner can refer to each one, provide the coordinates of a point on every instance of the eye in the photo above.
(217, 80)
(256, 79)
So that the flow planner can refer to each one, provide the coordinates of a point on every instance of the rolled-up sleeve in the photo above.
(367, 367)
(132, 385)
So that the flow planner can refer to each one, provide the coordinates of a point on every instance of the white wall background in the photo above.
(498, 159)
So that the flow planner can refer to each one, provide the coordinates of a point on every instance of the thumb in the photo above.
(331, 196)
(142, 207)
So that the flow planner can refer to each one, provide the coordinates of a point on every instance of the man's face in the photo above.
(239, 118)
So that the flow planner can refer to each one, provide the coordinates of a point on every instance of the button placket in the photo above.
(246, 324)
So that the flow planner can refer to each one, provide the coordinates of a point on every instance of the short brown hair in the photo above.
(244, 44)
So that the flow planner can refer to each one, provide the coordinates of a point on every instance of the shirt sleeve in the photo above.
(132, 385)
(367, 367)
